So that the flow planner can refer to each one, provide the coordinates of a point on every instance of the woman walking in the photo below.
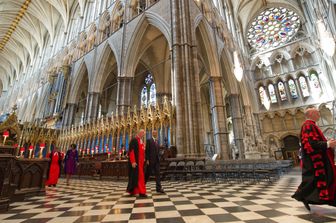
(71, 161)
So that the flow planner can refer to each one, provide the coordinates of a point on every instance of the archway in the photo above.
(152, 74)
(81, 92)
(152, 59)
(106, 81)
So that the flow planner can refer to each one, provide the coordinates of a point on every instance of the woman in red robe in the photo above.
(54, 167)
(136, 176)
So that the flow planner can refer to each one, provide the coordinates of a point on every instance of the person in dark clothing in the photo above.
(318, 184)
(136, 163)
(153, 160)
(70, 162)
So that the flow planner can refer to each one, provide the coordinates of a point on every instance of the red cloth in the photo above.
(54, 171)
(141, 188)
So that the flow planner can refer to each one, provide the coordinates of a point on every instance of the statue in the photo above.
(260, 144)
(248, 141)
(107, 28)
(91, 38)
(234, 151)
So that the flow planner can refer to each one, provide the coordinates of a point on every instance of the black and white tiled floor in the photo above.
(106, 201)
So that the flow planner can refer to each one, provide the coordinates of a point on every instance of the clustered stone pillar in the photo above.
(69, 114)
(65, 86)
(124, 94)
(221, 136)
(185, 78)
(92, 106)
(237, 123)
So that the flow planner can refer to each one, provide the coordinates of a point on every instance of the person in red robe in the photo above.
(136, 162)
(54, 167)
(318, 184)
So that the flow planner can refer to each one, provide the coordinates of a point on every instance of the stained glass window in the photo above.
(273, 27)
(282, 91)
(292, 89)
(272, 93)
(144, 96)
(315, 83)
(148, 93)
(304, 86)
(152, 95)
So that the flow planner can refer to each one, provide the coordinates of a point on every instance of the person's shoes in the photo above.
(161, 191)
(143, 195)
(306, 205)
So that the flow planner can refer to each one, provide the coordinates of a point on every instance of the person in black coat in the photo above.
(153, 160)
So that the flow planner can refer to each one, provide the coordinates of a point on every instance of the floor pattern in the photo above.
(190, 202)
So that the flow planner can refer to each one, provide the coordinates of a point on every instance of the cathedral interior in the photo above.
(224, 82)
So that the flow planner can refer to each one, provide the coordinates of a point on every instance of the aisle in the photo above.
(106, 201)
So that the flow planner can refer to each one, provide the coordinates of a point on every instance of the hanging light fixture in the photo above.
(238, 70)
(327, 42)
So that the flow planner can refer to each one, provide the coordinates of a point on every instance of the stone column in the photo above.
(237, 123)
(65, 86)
(92, 106)
(69, 114)
(288, 94)
(185, 78)
(298, 89)
(124, 94)
(221, 135)
(291, 65)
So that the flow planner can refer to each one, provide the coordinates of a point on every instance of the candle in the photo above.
(21, 151)
(30, 151)
(108, 155)
(42, 146)
(5, 135)
(96, 149)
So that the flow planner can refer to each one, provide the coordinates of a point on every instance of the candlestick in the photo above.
(5, 135)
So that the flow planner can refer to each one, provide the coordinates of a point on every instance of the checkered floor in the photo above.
(106, 201)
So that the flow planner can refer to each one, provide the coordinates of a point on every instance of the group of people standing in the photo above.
(140, 159)
(143, 163)
(70, 164)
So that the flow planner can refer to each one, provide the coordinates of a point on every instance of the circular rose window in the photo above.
(273, 27)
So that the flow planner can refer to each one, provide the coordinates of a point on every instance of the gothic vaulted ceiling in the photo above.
(26, 26)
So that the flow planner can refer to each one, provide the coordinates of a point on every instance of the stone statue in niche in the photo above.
(234, 151)
(261, 145)
(91, 39)
(248, 140)
(67, 58)
(81, 46)
(107, 28)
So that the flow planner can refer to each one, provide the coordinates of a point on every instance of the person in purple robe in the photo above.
(70, 162)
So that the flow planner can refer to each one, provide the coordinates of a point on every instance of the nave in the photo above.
(107, 201)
